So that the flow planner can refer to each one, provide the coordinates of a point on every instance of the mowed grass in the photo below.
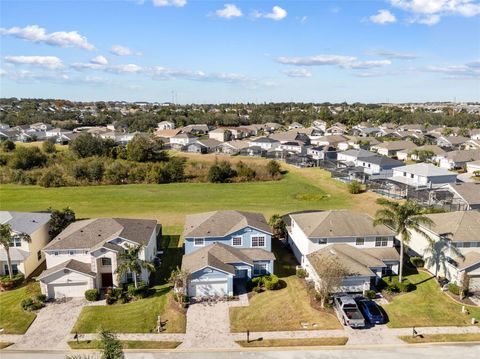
(427, 306)
(283, 309)
(304, 342)
(136, 317)
(13, 319)
(126, 344)
(441, 338)
(4, 345)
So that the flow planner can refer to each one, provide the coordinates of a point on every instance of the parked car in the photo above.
(370, 310)
(348, 312)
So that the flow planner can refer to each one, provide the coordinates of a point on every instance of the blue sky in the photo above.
(239, 51)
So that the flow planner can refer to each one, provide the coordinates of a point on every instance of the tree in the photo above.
(273, 168)
(48, 147)
(86, 145)
(8, 145)
(402, 218)
(145, 149)
(26, 158)
(59, 220)
(355, 187)
(330, 272)
(6, 241)
(278, 225)
(245, 172)
(129, 262)
(220, 172)
(111, 346)
(178, 278)
(423, 155)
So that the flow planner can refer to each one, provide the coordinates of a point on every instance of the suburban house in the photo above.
(422, 175)
(292, 135)
(220, 134)
(390, 149)
(322, 152)
(25, 256)
(204, 145)
(293, 147)
(231, 147)
(459, 158)
(432, 152)
(85, 255)
(467, 194)
(351, 156)
(450, 230)
(332, 140)
(265, 143)
(365, 250)
(451, 142)
(198, 129)
(473, 167)
(336, 129)
(182, 140)
(224, 247)
(378, 165)
(165, 125)
(295, 126)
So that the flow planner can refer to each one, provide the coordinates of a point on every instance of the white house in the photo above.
(165, 125)
(85, 255)
(423, 175)
(25, 256)
(295, 126)
(351, 156)
(265, 143)
(220, 134)
(457, 246)
(459, 158)
(182, 139)
(391, 148)
(378, 165)
(367, 250)
(336, 129)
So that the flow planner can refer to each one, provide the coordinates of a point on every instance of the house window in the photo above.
(259, 268)
(16, 242)
(39, 255)
(198, 242)
(71, 253)
(360, 241)
(258, 241)
(322, 241)
(237, 241)
(14, 269)
(466, 244)
(129, 277)
(106, 261)
(55, 253)
(381, 242)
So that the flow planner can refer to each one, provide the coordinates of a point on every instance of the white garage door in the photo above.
(207, 288)
(67, 290)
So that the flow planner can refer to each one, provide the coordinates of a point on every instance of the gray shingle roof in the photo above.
(381, 161)
(463, 226)
(71, 264)
(90, 233)
(396, 145)
(222, 223)
(425, 170)
(338, 224)
(16, 254)
(469, 191)
(25, 222)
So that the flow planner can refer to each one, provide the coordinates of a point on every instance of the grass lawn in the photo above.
(4, 345)
(135, 317)
(282, 309)
(442, 338)
(426, 306)
(306, 342)
(126, 344)
(13, 319)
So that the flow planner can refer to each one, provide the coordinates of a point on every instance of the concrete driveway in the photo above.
(51, 329)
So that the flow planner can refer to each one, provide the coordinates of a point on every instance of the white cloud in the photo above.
(50, 62)
(469, 70)
(297, 73)
(164, 73)
(120, 50)
(36, 33)
(229, 11)
(97, 63)
(124, 69)
(99, 60)
(430, 12)
(277, 14)
(177, 3)
(366, 64)
(383, 17)
(345, 62)
(392, 54)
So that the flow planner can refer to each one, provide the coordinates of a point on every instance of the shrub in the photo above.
(48, 147)
(370, 294)
(273, 168)
(271, 282)
(355, 187)
(42, 298)
(257, 289)
(221, 172)
(258, 281)
(92, 295)
(140, 292)
(7, 283)
(453, 288)
(26, 158)
(26, 303)
(405, 286)
(8, 145)
(52, 177)
(301, 273)
(417, 261)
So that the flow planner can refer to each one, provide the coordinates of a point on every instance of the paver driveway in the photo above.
(51, 328)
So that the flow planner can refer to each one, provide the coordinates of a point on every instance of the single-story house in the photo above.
(468, 193)
(378, 165)
(231, 147)
(165, 125)
(351, 156)
(459, 158)
(473, 166)
(266, 143)
(391, 148)
(422, 175)
(204, 145)
(451, 142)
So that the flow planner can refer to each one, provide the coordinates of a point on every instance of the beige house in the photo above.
(25, 257)
(392, 148)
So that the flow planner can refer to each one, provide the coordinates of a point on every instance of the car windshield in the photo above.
(372, 308)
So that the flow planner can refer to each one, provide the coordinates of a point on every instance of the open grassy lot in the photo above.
(441, 338)
(426, 306)
(126, 344)
(13, 319)
(282, 309)
(135, 317)
(305, 342)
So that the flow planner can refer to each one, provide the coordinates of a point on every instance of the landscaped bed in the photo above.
(304, 342)
(126, 344)
(283, 309)
(136, 317)
(441, 338)
(13, 319)
(4, 345)
(427, 306)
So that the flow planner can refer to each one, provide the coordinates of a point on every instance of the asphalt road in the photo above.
(465, 351)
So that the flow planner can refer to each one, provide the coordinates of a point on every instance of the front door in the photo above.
(107, 280)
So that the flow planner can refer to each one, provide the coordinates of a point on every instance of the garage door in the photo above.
(207, 288)
(475, 283)
(67, 290)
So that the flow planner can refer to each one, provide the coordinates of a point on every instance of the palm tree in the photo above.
(435, 253)
(130, 263)
(402, 218)
(6, 240)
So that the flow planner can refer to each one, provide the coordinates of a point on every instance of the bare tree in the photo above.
(331, 273)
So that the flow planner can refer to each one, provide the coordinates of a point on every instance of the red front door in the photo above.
(107, 280)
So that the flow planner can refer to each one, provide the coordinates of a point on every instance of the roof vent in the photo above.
(332, 252)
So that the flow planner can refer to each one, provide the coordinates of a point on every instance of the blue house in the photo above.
(223, 248)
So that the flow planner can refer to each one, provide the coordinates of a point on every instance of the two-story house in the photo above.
(223, 247)
(422, 175)
(85, 255)
(455, 251)
(25, 256)
(366, 251)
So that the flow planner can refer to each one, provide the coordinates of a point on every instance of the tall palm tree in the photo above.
(403, 218)
(6, 241)
(128, 262)
(435, 253)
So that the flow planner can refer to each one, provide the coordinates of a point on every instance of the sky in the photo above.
(208, 51)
